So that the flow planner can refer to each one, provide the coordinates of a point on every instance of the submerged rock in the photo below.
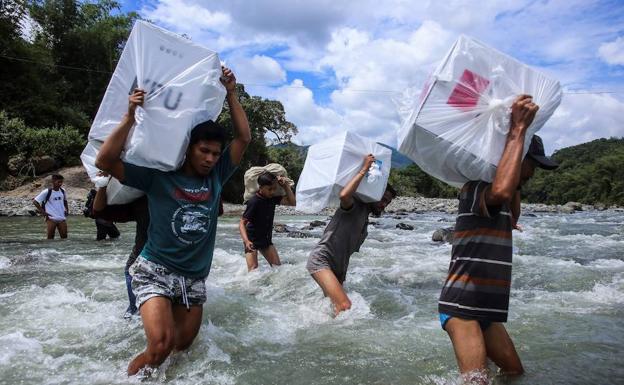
(443, 235)
(404, 226)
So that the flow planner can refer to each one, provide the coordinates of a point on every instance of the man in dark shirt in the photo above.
(474, 301)
(135, 211)
(256, 225)
(346, 232)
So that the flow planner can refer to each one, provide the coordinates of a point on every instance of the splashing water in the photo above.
(61, 307)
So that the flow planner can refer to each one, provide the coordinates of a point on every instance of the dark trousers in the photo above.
(105, 228)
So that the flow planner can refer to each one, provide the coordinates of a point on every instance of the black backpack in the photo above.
(88, 210)
(47, 198)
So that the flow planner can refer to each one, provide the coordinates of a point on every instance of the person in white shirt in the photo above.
(52, 204)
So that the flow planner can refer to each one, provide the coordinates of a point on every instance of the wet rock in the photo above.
(575, 206)
(600, 206)
(280, 228)
(404, 226)
(290, 232)
(443, 235)
(529, 215)
(314, 224)
(565, 209)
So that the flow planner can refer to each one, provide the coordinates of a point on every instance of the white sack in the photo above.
(251, 179)
(116, 193)
(456, 130)
(181, 79)
(331, 164)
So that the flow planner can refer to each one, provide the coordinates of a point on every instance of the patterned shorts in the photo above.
(150, 279)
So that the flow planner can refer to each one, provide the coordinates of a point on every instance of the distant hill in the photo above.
(398, 160)
(591, 172)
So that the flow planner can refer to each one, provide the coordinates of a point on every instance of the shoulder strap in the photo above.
(47, 198)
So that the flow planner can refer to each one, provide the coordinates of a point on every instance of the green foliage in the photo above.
(63, 144)
(590, 173)
(412, 181)
(264, 116)
(290, 156)
(41, 81)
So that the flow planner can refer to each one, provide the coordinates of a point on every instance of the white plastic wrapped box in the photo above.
(116, 193)
(181, 79)
(331, 164)
(456, 130)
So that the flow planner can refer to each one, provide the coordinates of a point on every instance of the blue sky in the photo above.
(345, 65)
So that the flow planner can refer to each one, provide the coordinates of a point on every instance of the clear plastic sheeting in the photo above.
(116, 193)
(251, 179)
(182, 85)
(331, 164)
(456, 129)
(181, 79)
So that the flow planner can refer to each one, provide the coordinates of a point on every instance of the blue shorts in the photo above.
(444, 318)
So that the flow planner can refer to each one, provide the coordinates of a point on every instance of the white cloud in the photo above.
(583, 117)
(391, 45)
(259, 69)
(613, 52)
(185, 17)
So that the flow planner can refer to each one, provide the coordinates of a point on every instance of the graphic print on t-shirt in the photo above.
(190, 222)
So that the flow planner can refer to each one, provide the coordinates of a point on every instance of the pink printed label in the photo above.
(468, 90)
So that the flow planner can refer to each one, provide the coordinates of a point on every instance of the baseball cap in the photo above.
(536, 152)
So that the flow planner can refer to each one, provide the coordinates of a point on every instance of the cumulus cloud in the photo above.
(356, 62)
(613, 52)
(259, 69)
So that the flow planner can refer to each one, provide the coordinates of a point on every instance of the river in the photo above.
(61, 307)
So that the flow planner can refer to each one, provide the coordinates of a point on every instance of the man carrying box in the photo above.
(343, 236)
(475, 298)
(169, 276)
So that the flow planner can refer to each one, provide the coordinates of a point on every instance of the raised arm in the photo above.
(242, 133)
(289, 199)
(346, 194)
(507, 176)
(109, 156)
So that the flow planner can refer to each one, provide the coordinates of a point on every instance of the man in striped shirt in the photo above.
(475, 298)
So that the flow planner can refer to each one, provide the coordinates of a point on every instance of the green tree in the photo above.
(264, 116)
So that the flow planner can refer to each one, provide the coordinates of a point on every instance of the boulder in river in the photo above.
(444, 234)
(404, 226)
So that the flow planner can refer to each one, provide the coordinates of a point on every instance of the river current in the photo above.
(61, 307)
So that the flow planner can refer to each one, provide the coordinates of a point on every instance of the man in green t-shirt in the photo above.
(169, 275)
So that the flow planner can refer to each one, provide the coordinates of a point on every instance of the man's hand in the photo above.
(368, 161)
(281, 181)
(228, 79)
(249, 246)
(136, 99)
(523, 112)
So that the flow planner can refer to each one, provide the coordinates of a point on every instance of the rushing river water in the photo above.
(61, 307)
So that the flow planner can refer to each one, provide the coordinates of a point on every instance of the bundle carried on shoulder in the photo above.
(251, 179)
(456, 131)
(181, 80)
(331, 164)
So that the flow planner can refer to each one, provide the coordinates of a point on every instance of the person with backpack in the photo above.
(51, 203)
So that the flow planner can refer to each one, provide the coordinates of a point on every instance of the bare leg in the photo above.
(252, 260)
(501, 350)
(50, 228)
(62, 228)
(327, 280)
(270, 254)
(160, 332)
(187, 324)
(469, 345)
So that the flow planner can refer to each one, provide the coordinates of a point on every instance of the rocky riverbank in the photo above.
(22, 206)
(18, 202)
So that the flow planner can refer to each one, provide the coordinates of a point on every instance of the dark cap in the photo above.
(536, 152)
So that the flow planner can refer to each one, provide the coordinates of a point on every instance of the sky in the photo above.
(351, 65)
